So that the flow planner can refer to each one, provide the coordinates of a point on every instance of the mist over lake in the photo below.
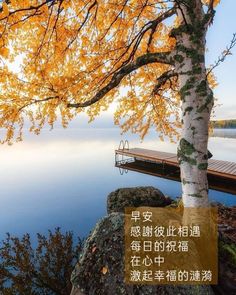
(62, 178)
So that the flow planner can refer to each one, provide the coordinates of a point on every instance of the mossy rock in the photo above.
(228, 251)
(136, 197)
(100, 270)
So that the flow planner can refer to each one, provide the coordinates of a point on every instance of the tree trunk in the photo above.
(197, 103)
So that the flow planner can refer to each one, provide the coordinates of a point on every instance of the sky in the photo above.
(219, 36)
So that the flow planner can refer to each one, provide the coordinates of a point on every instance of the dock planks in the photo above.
(145, 161)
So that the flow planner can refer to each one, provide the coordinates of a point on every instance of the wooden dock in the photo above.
(221, 174)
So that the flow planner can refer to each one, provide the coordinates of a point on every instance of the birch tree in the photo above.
(80, 56)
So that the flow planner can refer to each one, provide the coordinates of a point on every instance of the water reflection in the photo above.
(62, 178)
(225, 133)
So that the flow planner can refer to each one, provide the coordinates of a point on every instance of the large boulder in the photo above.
(136, 197)
(100, 269)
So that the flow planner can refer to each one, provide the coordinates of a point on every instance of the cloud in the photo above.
(224, 112)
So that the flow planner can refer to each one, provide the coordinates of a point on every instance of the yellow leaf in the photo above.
(14, 3)
(4, 52)
(5, 9)
(104, 270)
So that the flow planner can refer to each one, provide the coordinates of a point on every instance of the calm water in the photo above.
(62, 178)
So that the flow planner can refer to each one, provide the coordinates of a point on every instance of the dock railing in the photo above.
(121, 159)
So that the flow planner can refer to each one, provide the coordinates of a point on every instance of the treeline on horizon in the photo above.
(224, 123)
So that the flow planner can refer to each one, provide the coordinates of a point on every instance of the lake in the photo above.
(62, 178)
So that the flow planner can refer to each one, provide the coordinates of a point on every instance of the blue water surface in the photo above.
(62, 178)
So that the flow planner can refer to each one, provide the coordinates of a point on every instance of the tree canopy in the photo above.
(73, 55)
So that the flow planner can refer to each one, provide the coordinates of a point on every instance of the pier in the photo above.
(221, 174)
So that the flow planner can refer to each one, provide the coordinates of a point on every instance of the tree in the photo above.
(43, 270)
(224, 124)
(80, 56)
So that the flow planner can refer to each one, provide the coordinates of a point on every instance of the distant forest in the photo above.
(224, 123)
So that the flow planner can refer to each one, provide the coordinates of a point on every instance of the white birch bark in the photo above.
(197, 103)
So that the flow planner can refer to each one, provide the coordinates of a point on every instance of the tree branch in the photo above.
(224, 54)
(164, 57)
(209, 16)
(157, 21)
(163, 79)
(211, 6)
(135, 42)
(31, 7)
(36, 101)
(83, 23)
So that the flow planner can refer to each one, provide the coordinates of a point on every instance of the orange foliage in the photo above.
(69, 50)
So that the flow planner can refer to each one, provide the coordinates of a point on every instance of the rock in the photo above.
(216, 204)
(100, 270)
(134, 197)
(227, 266)
(101, 267)
(76, 291)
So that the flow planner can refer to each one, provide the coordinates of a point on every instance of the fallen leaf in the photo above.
(104, 270)
(94, 249)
